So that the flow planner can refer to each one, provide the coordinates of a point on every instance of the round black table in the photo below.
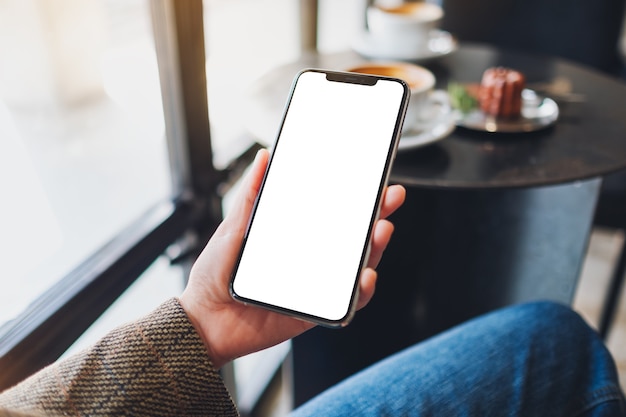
(490, 219)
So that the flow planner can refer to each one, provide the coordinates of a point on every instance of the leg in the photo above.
(536, 359)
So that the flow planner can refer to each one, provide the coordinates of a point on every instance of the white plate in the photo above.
(441, 43)
(435, 124)
(538, 112)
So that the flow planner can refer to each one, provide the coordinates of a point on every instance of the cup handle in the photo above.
(441, 98)
(438, 103)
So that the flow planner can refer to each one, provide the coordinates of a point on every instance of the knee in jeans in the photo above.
(541, 318)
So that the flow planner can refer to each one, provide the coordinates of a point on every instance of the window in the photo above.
(105, 162)
(82, 148)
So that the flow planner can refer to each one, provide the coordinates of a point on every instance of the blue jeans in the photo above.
(535, 359)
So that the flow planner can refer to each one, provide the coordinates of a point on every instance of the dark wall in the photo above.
(586, 31)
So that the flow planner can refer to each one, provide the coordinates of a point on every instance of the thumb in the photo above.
(237, 217)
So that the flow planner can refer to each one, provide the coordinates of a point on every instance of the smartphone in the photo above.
(308, 237)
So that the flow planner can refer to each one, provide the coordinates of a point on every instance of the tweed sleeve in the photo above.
(156, 366)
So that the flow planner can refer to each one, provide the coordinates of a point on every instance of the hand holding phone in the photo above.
(308, 237)
(231, 329)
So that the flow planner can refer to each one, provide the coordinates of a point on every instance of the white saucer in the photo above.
(438, 122)
(441, 43)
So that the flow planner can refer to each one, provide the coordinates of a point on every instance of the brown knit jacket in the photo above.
(156, 366)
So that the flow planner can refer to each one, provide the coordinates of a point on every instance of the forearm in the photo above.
(155, 366)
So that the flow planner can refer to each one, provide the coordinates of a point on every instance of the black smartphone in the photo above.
(308, 237)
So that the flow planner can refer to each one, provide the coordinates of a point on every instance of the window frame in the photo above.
(49, 325)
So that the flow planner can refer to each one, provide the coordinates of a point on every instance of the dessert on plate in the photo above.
(500, 92)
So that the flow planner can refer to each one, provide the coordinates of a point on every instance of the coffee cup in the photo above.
(407, 22)
(420, 80)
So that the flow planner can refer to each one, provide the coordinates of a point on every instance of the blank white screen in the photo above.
(304, 248)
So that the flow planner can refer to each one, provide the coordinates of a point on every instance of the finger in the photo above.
(383, 230)
(226, 241)
(367, 287)
(244, 201)
(394, 197)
